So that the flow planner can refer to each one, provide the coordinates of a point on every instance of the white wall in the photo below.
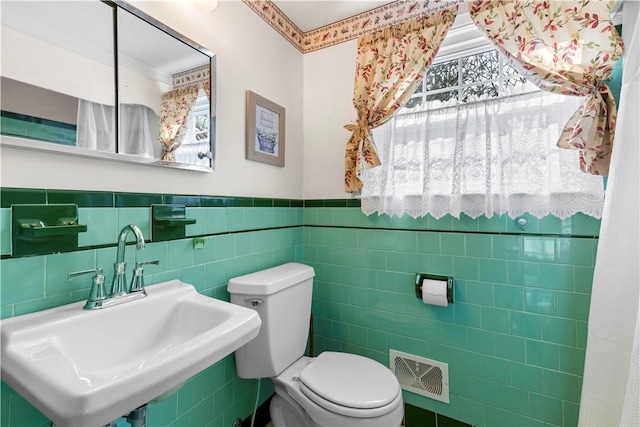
(328, 106)
(250, 56)
(137, 88)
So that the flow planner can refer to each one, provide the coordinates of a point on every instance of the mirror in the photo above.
(47, 66)
(103, 79)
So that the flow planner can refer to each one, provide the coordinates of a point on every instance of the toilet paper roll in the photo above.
(434, 292)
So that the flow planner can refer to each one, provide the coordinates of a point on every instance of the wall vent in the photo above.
(416, 374)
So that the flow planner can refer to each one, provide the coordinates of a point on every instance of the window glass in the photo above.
(472, 77)
(441, 76)
(480, 67)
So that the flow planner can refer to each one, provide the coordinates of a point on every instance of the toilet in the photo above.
(331, 390)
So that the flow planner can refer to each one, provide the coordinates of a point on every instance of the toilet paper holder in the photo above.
(420, 277)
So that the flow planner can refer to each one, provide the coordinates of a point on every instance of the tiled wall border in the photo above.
(336, 213)
(346, 29)
(577, 226)
(342, 213)
(108, 199)
(114, 206)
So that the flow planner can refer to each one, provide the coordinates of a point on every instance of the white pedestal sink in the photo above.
(85, 368)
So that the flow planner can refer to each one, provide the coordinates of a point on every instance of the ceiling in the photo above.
(311, 14)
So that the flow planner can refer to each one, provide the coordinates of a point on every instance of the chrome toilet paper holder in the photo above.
(421, 277)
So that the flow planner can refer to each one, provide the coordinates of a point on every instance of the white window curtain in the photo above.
(481, 158)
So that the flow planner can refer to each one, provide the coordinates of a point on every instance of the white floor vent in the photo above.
(419, 375)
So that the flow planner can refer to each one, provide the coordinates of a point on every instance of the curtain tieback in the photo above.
(591, 130)
(359, 154)
(360, 131)
(360, 145)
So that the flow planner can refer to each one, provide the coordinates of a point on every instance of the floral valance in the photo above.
(567, 47)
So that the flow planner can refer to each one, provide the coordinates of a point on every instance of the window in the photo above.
(477, 138)
(200, 124)
(473, 77)
(195, 145)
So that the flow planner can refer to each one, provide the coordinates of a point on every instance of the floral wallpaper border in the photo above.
(189, 77)
(346, 29)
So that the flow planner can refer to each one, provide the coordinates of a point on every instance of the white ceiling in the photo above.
(311, 14)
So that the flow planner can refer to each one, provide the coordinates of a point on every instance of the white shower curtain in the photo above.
(96, 126)
(138, 129)
(611, 388)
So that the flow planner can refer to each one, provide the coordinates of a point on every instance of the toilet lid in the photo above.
(350, 380)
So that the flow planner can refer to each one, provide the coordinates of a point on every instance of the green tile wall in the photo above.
(515, 337)
(242, 237)
(24, 126)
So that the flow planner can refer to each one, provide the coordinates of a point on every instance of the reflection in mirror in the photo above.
(55, 56)
(164, 92)
(62, 80)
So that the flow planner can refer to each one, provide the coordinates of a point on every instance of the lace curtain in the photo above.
(390, 63)
(567, 47)
(480, 158)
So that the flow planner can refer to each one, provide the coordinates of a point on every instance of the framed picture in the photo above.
(265, 130)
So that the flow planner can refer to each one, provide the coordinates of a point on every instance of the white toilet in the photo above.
(331, 390)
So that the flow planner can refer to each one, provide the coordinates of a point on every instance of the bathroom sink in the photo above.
(89, 367)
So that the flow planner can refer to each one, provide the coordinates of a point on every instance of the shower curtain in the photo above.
(138, 129)
(96, 126)
(611, 388)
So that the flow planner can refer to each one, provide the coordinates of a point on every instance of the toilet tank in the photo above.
(282, 297)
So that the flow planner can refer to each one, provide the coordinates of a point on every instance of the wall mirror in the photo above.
(103, 79)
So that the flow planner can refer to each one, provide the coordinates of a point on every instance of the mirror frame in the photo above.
(29, 144)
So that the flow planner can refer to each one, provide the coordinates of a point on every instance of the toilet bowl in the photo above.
(331, 390)
(336, 389)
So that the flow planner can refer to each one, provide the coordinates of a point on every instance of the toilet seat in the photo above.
(350, 385)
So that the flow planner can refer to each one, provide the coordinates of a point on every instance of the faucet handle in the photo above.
(97, 293)
(137, 281)
(77, 274)
(141, 263)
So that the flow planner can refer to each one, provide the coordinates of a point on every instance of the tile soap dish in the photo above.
(169, 222)
(44, 229)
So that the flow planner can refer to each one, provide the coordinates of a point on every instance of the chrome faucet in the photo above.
(119, 292)
(119, 284)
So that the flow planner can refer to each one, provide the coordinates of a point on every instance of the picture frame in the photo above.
(265, 131)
